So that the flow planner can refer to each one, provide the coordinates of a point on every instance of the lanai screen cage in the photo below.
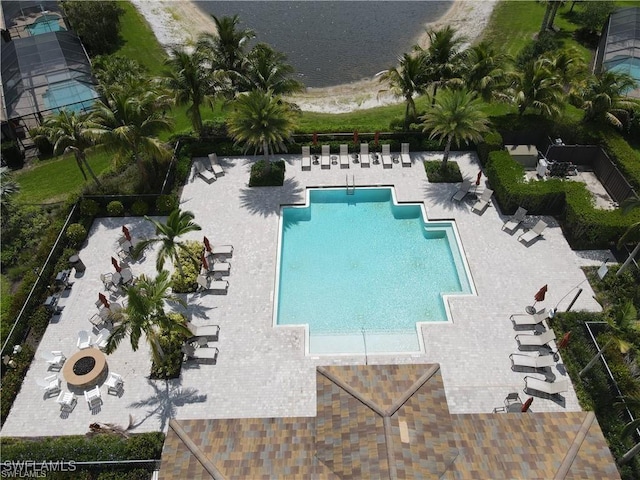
(619, 49)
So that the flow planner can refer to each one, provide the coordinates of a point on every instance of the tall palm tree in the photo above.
(145, 314)
(538, 87)
(69, 132)
(631, 401)
(455, 117)
(261, 121)
(407, 80)
(8, 188)
(550, 14)
(484, 71)
(266, 69)
(603, 97)
(190, 83)
(568, 65)
(632, 233)
(178, 223)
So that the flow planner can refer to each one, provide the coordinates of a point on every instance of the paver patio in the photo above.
(262, 371)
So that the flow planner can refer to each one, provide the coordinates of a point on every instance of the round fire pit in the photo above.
(85, 368)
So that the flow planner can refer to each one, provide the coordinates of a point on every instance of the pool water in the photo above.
(45, 24)
(359, 266)
(70, 95)
(628, 65)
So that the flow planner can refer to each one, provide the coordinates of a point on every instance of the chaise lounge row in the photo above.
(364, 158)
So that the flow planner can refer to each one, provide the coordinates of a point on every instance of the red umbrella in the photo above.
(114, 262)
(104, 300)
(315, 138)
(376, 137)
(355, 137)
(538, 297)
(478, 178)
(126, 233)
(565, 340)
(207, 245)
(526, 405)
(205, 265)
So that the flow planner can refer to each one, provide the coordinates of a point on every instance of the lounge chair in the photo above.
(102, 339)
(206, 355)
(205, 283)
(107, 281)
(483, 202)
(535, 232)
(404, 155)
(218, 268)
(529, 340)
(67, 401)
(210, 332)
(55, 359)
(531, 361)
(226, 250)
(201, 171)
(344, 156)
(517, 218)
(50, 384)
(93, 397)
(364, 155)
(532, 384)
(306, 158)
(215, 166)
(114, 384)
(84, 340)
(325, 158)
(386, 156)
(526, 320)
(463, 189)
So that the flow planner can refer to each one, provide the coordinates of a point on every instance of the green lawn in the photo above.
(5, 298)
(138, 41)
(54, 180)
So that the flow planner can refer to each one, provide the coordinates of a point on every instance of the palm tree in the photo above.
(603, 97)
(145, 314)
(261, 121)
(407, 80)
(568, 65)
(69, 132)
(632, 233)
(190, 83)
(455, 117)
(8, 188)
(113, 70)
(550, 14)
(632, 401)
(178, 223)
(484, 71)
(266, 69)
(538, 87)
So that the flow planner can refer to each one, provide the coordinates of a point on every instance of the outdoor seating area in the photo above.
(344, 159)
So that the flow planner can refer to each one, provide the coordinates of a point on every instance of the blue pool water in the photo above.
(628, 65)
(356, 267)
(70, 95)
(45, 24)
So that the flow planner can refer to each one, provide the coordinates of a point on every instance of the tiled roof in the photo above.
(388, 421)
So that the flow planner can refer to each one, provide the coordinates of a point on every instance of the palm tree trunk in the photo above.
(547, 12)
(556, 6)
(197, 119)
(630, 454)
(79, 161)
(83, 158)
(626, 263)
(447, 149)
(596, 357)
(435, 90)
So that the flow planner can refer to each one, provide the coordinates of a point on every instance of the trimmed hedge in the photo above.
(435, 173)
(263, 176)
(627, 159)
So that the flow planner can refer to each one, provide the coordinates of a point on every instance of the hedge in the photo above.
(263, 177)
(624, 156)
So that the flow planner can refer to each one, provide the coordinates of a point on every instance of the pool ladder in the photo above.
(351, 189)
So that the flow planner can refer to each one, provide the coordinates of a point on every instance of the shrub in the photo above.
(12, 155)
(165, 204)
(115, 208)
(89, 208)
(44, 146)
(171, 344)
(12, 382)
(76, 233)
(492, 142)
(267, 174)
(435, 173)
(187, 282)
(139, 208)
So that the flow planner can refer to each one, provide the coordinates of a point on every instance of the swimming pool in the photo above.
(361, 271)
(45, 24)
(70, 95)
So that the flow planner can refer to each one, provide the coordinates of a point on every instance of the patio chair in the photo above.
(325, 158)
(205, 355)
(534, 233)
(220, 286)
(364, 155)
(532, 385)
(50, 384)
(344, 156)
(483, 202)
(210, 332)
(222, 268)
(217, 170)
(387, 162)
(67, 401)
(512, 224)
(529, 340)
(526, 320)
(463, 189)
(102, 339)
(84, 340)
(93, 397)
(221, 250)
(512, 403)
(107, 281)
(114, 384)
(127, 276)
(405, 158)
(54, 358)
(531, 361)
(306, 158)
(201, 171)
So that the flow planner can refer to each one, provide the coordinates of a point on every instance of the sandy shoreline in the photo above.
(180, 22)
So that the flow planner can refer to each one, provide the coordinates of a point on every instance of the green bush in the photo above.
(165, 204)
(39, 320)
(171, 344)
(267, 174)
(76, 233)
(492, 142)
(115, 208)
(11, 154)
(89, 207)
(44, 146)
(139, 208)
(187, 282)
(435, 173)
(623, 155)
(12, 383)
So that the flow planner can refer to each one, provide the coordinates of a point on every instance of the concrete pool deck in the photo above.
(262, 371)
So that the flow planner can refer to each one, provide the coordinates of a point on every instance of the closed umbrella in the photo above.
(114, 262)
(355, 137)
(315, 139)
(125, 232)
(376, 137)
(538, 297)
(103, 300)
(205, 265)
(526, 405)
(207, 245)
(478, 178)
(565, 340)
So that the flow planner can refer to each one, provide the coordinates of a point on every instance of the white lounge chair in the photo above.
(344, 156)
(532, 384)
(531, 361)
(55, 359)
(84, 340)
(201, 171)
(306, 158)
(93, 397)
(525, 320)
(206, 355)
(535, 232)
(325, 158)
(50, 384)
(67, 401)
(482, 203)
(517, 218)
(114, 384)
(529, 340)
(364, 155)
(218, 268)
(102, 339)
(386, 156)
(226, 250)
(404, 155)
(215, 166)
(213, 285)
(463, 189)
(210, 332)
